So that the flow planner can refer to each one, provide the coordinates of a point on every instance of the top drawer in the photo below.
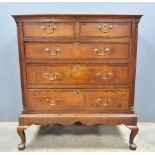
(107, 30)
(48, 30)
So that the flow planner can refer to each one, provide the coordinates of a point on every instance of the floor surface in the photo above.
(77, 138)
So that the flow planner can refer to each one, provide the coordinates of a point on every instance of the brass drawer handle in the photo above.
(104, 102)
(106, 51)
(105, 76)
(104, 28)
(56, 52)
(49, 28)
(53, 102)
(51, 76)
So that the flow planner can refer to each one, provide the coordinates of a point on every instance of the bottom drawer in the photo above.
(77, 100)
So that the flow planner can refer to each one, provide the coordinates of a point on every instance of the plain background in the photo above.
(10, 91)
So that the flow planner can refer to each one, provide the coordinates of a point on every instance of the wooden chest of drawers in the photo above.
(77, 68)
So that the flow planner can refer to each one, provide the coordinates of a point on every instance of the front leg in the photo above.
(21, 133)
(134, 131)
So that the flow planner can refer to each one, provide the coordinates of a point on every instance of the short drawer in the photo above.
(66, 100)
(77, 74)
(70, 51)
(109, 30)
(48, 29)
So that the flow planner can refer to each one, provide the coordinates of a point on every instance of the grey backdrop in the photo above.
(10, 92)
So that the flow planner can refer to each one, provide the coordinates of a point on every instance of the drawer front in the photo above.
(66, 100)
(48, 29)
(69, 50)
(112, 30)
(77, 74)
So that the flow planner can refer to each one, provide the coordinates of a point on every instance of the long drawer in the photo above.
(77, 74)
(64, 99)
(62, 51)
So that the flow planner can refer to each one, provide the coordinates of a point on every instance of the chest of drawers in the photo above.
(77, 68)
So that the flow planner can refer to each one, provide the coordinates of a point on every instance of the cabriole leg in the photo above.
(134, 131)
(21, 133)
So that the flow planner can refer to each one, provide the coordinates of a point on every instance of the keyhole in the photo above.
(77, 92)
(77, 67)
(77, 44)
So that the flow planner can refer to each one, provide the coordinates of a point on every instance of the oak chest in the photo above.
(77, 68)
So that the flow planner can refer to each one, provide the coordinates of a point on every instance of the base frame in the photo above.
(25, 120)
